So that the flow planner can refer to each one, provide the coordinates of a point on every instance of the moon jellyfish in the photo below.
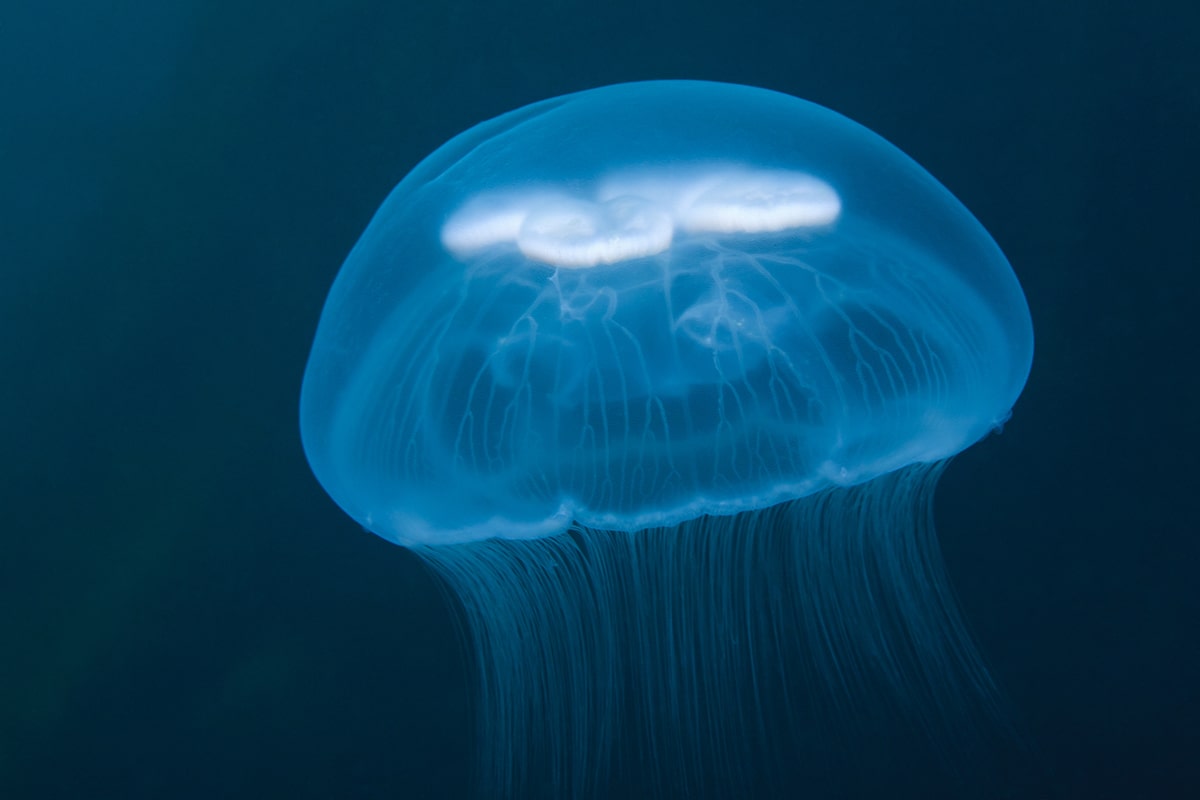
(659, 379)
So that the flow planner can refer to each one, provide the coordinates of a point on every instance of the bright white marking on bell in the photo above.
(635, 213)
(492, 218)
(577, 234)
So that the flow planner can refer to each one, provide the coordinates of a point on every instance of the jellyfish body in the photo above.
(651, 326)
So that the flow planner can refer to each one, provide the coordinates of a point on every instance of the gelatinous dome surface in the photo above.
(638, 304)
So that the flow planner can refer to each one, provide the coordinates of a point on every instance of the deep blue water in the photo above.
(186, 614)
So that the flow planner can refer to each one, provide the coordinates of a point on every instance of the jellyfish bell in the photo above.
(604, 246)
(658, 306)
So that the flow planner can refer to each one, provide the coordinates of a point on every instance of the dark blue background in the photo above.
(184, 613)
